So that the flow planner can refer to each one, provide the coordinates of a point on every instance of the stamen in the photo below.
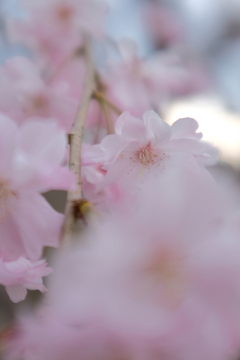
(146, 155)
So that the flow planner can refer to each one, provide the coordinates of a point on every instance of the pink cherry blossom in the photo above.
(63, 22)
(143, 84)
(31, 158)
(163, 24)
(149, 284)
(21, 275)
(72, 87)
(91, 176)
(148, 146)
(23, 85)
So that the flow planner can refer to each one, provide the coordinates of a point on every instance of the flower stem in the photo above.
(109, 124)
(75, 141)
(98, 95)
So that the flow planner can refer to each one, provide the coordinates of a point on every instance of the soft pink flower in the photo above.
(53, 28)
(23, 86)
(21, 275)
(163, 24)
(72, 86)
(91, 176)
(160, 283)
(148, 146)
(143, 84)
(31, 158)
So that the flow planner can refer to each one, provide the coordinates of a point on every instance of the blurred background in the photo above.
(205, 35)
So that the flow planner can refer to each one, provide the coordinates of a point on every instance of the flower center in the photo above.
(64, 13)
(39, 102)
(146, 155)
(164, 265)
(166, 269)
(7, 197)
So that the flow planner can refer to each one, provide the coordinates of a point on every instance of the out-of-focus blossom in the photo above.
(31, 158)
(147, 146)
(21, 275)
(65, 78)
(53, 28)
(23, 86)
(143, 84)
(163, 24)
(147, 285)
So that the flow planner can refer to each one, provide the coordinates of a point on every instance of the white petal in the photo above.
(156, 127)
(16, 292)
(185, 127)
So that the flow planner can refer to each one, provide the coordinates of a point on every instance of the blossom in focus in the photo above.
(31, 158)
(146, 147)
(23, 85)
(63, 22)
(21, 275)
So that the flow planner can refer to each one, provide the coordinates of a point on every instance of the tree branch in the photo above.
(98, 95)
(109, 123)
(75, 140)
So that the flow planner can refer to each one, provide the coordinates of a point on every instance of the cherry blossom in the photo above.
(21, 275)
(23, 86)
(150, 83)
(63, 22)
(148, 146)
(163, 24)
(145, 287)
(91, 176)
(31, 158)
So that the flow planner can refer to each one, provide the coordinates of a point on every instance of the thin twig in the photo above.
(109, 123)
(75, 140)
(101, 97)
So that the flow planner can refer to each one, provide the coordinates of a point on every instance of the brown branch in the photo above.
(75, 140)
(109, 123)
(98, 95)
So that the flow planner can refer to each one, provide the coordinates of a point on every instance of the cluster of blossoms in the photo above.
(154, 274)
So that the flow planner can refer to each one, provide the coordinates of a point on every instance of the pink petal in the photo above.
(156, 127)
(112, 146)
(43, 142)
(11, 246)
(130, 127)
(115, 172)
(35, 286)
(186, 145)
(56, 178)
(39, 225)
(92, 155)
(185, 127)
(16, 292)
